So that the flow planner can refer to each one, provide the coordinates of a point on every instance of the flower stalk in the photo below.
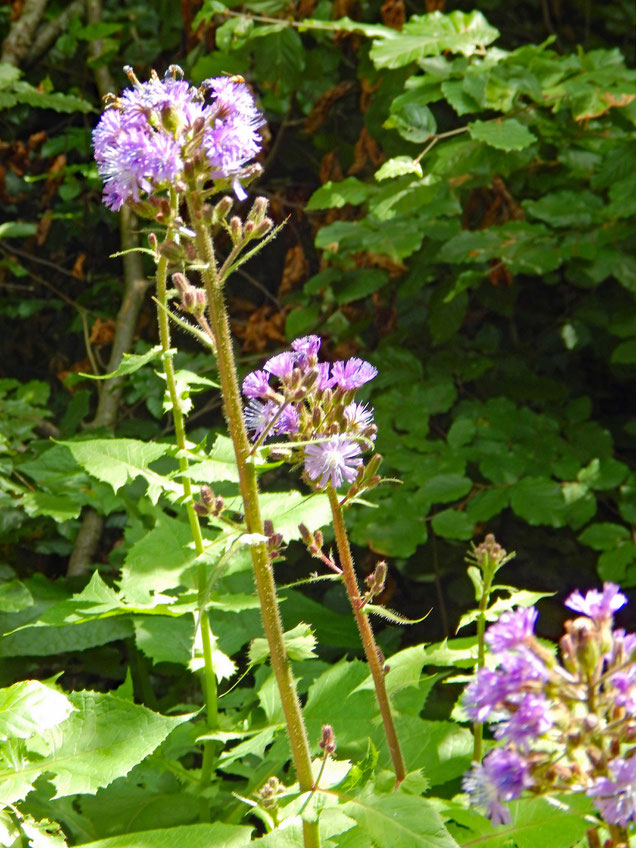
(371, 650)
(264, 578)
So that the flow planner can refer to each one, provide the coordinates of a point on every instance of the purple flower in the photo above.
(616, 798)
(530, 720)
(324, 380)
(624, 683)
(281, 365)
(143, 138)
(513, 629)
(502, 776)
(288, 421)
(353, 373)
(259, 415)
(332, 461)
(600, 606)
(486, 692)
(309, 345)
(256, 385)
(358, 417)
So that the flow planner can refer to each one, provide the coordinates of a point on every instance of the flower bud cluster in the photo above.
(312, 401)
(160, 133)
(567, 726)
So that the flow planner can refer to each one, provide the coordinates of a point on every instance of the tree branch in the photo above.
(18, 42)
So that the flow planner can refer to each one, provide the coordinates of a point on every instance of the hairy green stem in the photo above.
(371, 649)
(478, 728)
(263, 573)
(209, 677)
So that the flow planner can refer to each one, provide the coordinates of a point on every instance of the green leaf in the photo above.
(117, 461)
(538, 500)
(446, 487)
(218, 835)
(26, 93)
(130, 363)
(59, 507)
(300, 643)
(102, 740)
(431, 35)
(30, 707)
(336, 195)
(624, 353)
(219, 466)
(398, 167)
(414, 121)
(399, 821)
(17, 229)
(453, 524)
(502, 133)
(566, 208)
(604, 536)
(14, 596)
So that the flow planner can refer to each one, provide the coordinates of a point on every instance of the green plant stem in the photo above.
(209, 677)
(478, 728)
(263, 574)
(366, 634)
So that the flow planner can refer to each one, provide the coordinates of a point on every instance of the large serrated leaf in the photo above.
(118, 461)
(99, 742)
(30, 707)
(504, 134)
(399, 821)
(130, 363)
(218, 835)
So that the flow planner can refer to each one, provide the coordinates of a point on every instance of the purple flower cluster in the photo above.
(146, 136)
(566, 726)
(310, 401)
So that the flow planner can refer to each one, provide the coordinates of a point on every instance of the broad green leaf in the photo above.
(59, 507)
(336, 698)
(102, 740)
(618, 565)
(336, 195)
(164, 638)
(26, 93)
(130, 363)
(605, 536)
(453, 524)
(566, 208)
(14, 596)
(399, 821)
(538, 500)
(30, 707)
(398, 167)
(217, 834)
(300, 643)
(502, 133)
(443, 749)
(117, 461)
(17, 229)
(431, 35)
(624, 353)
(414, 121)
(446, 487)
(219, 466)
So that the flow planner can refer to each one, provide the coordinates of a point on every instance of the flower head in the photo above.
(332, 461)
(530, 720)
(281, 365)
(256, 385)
(353, 373)
(144, 137)
(512, 630)
(599, 606)
(502, 776)
(615, 797)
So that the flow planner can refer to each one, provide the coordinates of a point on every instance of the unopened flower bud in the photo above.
(171, 250)
(328, 739)
(268, 527)
(263, 228)
(318, 539)
(373, 464)
(207, 495)
(180, 282)
(259, 210)
(222, 208)
(219, 505)
(152, 241)
(236, 229)
(248, 229)
(372, 482)
(305, 535)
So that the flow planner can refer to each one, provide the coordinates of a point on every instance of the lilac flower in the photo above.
(624, 684)
(530, 720)
(256, 385)
(309, 345)
(600, 606)
(503, 775)
(281, 365)
(353, 373)
(259, 415)
(616, 798)
(288, 421)
(142, 140)
(512, 630)
(324, 380)
(332, 461)
(358, 417)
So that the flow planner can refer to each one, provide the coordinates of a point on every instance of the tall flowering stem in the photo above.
(263, 573)
(209, 676)
(371, 650)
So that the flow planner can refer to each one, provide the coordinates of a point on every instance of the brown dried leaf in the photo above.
(499, 274)
(44, 226)
(434, 5)
(323, 104)
(330, 168)
(263, 325)
(295, 270)
(366, 150)
(102, 332)
(393, 14)
(78, 267)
